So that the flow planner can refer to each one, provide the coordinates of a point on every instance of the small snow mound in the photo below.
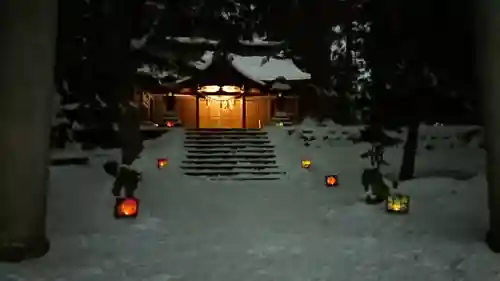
(329, 123)
(308, 123)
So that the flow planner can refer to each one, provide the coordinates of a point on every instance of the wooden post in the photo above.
(197, 111)
(244, 110)
(295, 108)
(489, 54)
(271, 105)
(27, 57)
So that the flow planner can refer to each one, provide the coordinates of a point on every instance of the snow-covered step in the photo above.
(226, 137)
(284, 118)
(281, 118)
(281, 114)
(216, 156)
(229, 162)
(229, 146)
(171, 116)
(154, 128)
(230, 149)
(245, 178)
(230, 154)
(225, 142)
(231, 166)
(217, 150)
(233, 172)
(222, 133)
(170, 113)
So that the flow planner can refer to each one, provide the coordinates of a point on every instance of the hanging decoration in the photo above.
(232, 89)
(226, 89)
(224, 102)
(209, 89)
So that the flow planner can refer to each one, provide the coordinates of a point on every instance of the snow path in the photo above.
(288, 230)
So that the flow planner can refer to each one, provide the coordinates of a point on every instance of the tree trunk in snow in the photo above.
(413, 117)
(489, 52)
(410, 151)
(122, 73)
(27, 55)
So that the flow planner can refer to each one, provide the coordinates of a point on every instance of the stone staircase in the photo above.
(283, 118)
(171, 116)
(230, 154)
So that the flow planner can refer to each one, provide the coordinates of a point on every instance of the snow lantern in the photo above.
(331, 181)
(306, 163)
(126, 208)
(398, 203)
(162, 163)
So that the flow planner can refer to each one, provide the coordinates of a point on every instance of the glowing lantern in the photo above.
(232, 89)
(306, 164)
(162, 163)
(331, 181)
(398, 203)
(280, 124)
(209, 89)
(126, 208)
(170, 124)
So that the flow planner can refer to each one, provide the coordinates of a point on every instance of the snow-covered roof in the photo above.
(260, 68)
(157, 73)
(155, 4)
(259, 41)
(204, 62)
(193, 40)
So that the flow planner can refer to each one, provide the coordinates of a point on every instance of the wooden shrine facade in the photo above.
(220, 97)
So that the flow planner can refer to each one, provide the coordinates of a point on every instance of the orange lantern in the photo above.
(306, 164)
(126, 208)
(162, 163)
(331, 181)
(170, 124)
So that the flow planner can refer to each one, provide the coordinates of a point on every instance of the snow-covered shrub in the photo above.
(65, 108)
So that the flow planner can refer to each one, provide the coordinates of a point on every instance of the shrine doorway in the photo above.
(220, 112)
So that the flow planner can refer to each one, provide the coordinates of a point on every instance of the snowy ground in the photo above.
(289, 230)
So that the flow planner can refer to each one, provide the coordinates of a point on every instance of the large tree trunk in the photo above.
(489, 52)
(410, 151)
(27, 55)
(122, 73)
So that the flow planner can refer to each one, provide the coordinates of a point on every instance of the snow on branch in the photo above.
(192, 40)
(204, 62)
(259, 41)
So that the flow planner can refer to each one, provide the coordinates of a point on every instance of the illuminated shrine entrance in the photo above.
(220, 111)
